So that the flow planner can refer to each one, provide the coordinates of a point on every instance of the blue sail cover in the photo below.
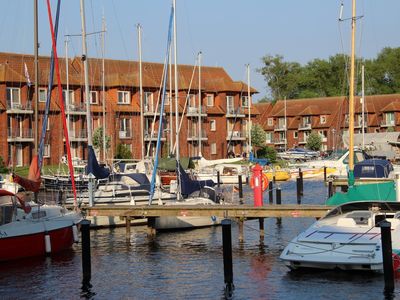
(93, 166)
(189, 185)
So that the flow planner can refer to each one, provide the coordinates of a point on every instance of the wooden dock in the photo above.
(240, 213)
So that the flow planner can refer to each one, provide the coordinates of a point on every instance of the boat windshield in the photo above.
(336, 155)
(363, 206)
(7, 209)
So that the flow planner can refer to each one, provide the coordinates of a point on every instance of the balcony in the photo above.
(232, 112)
(193, 135)
(303, 141)
(358, 124)
(236, 135)
(388, 123)
(19, 135)
(75, 109)
(305, 126)
(77, 135)
(193, 111)
(280, 127)
(151, 111)
(124, 134)
(279, 141)
(19, 108)
(148, 137)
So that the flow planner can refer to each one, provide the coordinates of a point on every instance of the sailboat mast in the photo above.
(171, 132)
(249, 106)
(86, 74)
(285, 124)
(139, 29)
(67, 79)
(36, 55)
(199, 120)
(351, 96)
(362, 106)
(103, 82)
(176, 86)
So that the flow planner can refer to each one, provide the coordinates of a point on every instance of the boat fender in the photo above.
(75, 233)
(277, 167)
(47, 243)
(264, 182)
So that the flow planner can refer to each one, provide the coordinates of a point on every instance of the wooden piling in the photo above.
(388, 273)
(301, 182)
(271, 192)
(278, 202)
(218, 179)
(240, 189)
(298, 187)
(241, 230)
(151, 229)
(330, 188)
(86, 259)
(227, 257)
(262, 232)
(324, 174)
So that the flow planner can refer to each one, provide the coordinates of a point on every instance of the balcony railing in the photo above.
(76, 108)
(153, 137)
(194, 111)
(236, 135)
(13, 107)
(279, 141)
(280, 127)
(148, 110)
(235, 112)
(21, 135)
(193, 135)
(77, 135)
(124, 134)
(305, 126)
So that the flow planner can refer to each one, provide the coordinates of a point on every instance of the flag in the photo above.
(28, 79)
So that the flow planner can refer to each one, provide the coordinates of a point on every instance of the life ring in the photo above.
(264, 182)
(277, 167)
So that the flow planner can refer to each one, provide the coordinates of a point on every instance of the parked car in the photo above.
(299, 154)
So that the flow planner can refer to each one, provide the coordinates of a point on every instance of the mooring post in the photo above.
(241, 231)
(128, 228)
(301, 182)
(151, 229)
(227, 256)
(218, 179)
(261, 221)
(330, 188)
(298, 190)
(240, 189)
(387, 255)
(271, 192)
(278, 202)
(86, 260)
(324, 174)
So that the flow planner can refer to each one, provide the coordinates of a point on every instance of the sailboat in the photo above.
(348, 237)
(28, 228)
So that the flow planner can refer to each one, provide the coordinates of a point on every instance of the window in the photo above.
(124, 128)
(148, 102)
(229, 103)
(210, 99)
(46, 150)
(213, 125)
(48, 124)
(191, 100)
(167, 98)
(268, 137)
(124, 97)
(93, 97)
(42, 94)
(13, 96)
(213, 148)
(389, 118)
(68, 97)
(295, 134)
(245, 101)
(322, 119)
(270, 121)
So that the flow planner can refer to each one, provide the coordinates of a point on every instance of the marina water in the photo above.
(189, 265)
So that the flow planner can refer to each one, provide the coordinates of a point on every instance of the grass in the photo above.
(48, 169)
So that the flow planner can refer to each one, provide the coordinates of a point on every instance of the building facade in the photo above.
(215, 118)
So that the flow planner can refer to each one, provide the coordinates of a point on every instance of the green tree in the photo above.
(314, 141)
(258, 136)
(98, 139)
(123, 152)
(267, 152)
(3, 168)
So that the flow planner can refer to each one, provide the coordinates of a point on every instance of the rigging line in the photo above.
(119, 29)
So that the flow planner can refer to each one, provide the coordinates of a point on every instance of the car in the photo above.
(299, 154)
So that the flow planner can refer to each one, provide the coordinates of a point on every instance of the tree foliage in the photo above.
(267, 152)
(258, 137)
(329, 77)
(98, 139)
(123, 152)
(3, 168)
(314, 141)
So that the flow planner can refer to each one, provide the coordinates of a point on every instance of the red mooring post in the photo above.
(257, 185)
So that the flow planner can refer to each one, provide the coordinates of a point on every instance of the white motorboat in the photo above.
(34, 230)
(228, 173)
(347, 238)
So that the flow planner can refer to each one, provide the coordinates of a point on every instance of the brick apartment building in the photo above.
(326, 116)
(224, 109)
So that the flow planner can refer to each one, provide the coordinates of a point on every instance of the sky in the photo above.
(229, 33)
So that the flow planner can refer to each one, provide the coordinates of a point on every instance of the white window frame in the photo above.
(71, 98)
(230, 102)
(244, 100)
(125, 126)
(213, 148)
(96, 101)
(213, 125)
(47, 151)
(210, 99)
(41, 91)
(270, 121)
(126, 97)
(9, 92)
(191, 100)
(48, 124)
(322, 119)
(167, 98)
(268, 137)
(295, 134)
